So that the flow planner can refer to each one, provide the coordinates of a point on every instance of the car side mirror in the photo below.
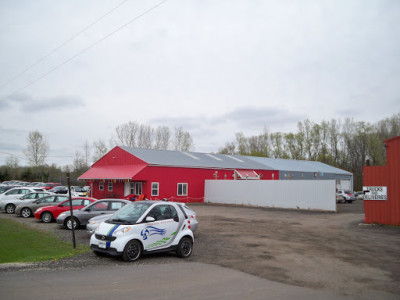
(88, 210)
(150, 219)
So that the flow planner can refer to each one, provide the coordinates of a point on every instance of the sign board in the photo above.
(375, 192)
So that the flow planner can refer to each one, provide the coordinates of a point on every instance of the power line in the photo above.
(61, 45)
(84, 50)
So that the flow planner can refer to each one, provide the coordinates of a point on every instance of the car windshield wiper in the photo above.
(120, 221)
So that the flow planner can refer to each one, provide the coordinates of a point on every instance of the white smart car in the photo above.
(144, 227)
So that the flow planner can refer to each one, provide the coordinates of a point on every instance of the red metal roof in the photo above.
(112, 172)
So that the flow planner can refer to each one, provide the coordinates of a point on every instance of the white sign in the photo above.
(375, 192)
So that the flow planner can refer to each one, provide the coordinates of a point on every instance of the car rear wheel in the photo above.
(26, 212)
(10, 208)
(69, 223)
(185, 247)
(47, 217)
(132, 251)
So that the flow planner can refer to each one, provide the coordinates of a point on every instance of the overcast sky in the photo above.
(212, 67)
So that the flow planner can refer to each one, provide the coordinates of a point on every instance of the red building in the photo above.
(382, 203)
(175, 175)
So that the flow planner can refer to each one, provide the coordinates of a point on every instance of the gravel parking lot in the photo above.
(332, 252)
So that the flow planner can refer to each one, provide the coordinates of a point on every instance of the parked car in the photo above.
(59, 190)
(346, 196)
(144, 227)
(9, 205)
(49, 185)
(359, 195)
(82, 216)
(49, 213)
(94, 222)
(5, 188)
(26, 209)
(18, 192)
(78, 191)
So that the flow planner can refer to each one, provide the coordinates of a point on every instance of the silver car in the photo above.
(82, 216)
(9, 205)
(26, 209)
(94, 222)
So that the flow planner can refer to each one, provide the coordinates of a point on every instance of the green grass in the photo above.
(20, 243)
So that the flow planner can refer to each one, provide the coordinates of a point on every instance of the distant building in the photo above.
(180, 176)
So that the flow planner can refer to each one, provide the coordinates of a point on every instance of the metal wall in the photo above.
(296, 194)
(295, 175)
(385, 211)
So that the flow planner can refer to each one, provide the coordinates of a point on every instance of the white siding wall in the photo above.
(296, 194)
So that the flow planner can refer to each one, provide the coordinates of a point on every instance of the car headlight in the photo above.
(122, 230)
(62, 215)
(39, 209)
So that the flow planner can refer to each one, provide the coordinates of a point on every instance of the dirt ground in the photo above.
(332, 252)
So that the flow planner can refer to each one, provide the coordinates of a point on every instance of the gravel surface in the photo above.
(333, 252)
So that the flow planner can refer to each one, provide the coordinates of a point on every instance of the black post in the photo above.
(70, 209)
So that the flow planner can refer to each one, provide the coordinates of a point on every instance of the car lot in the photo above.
(324, 251)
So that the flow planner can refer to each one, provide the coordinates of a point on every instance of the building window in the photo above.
(110, 186)
(138, 188)
(101, 186)
(182, 189)
(131, 188)
(154, 188)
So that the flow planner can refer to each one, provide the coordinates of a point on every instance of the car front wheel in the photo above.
(26, 212)
(185, 247)
(69, 223)
(47, 217)
(10, 208)
(132, 251)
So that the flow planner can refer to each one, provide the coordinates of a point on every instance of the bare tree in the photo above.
(145, 137)
(182, 140)
(127, 134)
(162, 138)
(100, 149)
(37, 148)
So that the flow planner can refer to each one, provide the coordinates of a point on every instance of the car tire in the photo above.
(10, 208)
(46, 217)
(26, 212)
(350, 201)
(185, 247)
(68, 223)
(132, 251)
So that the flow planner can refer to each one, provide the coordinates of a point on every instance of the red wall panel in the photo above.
(385, 212)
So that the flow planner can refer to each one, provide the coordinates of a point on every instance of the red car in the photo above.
(50, 213)
(49, 185)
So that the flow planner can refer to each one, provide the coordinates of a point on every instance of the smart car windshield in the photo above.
(129, 214)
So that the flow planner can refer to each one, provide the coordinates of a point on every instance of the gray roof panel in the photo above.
(222, 161)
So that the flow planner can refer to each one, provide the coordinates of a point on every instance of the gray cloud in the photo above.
(28, 103)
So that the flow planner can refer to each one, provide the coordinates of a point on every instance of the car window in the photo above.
(49, 199)
(40, 195)
(12, 192)
(100, 206)
(61, 198)
(163, 212)
(86, 202)
(23, 191)
(116, 205)
(30, 196)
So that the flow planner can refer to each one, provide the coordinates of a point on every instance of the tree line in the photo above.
(343, 144)
(131, 134)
